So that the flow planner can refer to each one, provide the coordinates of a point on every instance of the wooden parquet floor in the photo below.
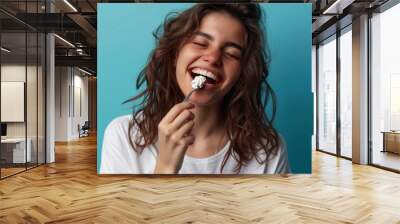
(70, 191)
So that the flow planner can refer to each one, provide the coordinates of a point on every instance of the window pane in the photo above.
(386, 89)
(327, 96)
(345, 94)
(15, 150)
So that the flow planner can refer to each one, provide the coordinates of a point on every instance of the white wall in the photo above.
(80, 110)
(62, 81)
(71, 87)
(14, 73)
(17, 73)
(33, 126)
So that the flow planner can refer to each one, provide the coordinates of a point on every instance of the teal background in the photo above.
(125, 41)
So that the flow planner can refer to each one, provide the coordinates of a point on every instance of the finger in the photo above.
(185, 142)
(175, 111)
(184, 130)
(188, 140)
(180, 120)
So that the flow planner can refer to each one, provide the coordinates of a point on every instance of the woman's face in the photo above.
(214, 51)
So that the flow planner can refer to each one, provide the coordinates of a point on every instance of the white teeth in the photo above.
(205, 73)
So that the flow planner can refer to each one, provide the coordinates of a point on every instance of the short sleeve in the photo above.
(279, 164)
(283, 161)
(117, 155)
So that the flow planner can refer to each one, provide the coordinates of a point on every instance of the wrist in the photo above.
(162, 168)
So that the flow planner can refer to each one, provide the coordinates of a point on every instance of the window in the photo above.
(327, 95)
(22, 66)
(385, 88)
(346, 92)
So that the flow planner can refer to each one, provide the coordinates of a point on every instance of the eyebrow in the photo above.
(229, 44)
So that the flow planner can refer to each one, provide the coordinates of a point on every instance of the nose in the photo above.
(213, 56)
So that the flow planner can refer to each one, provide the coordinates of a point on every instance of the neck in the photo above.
(209, 131)
(208, 121)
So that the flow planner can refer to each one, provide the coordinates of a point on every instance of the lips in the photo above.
(211, 78)
(208, 79)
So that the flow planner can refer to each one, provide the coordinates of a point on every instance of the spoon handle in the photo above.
(188, 96)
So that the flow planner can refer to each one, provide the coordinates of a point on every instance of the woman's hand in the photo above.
(174, 138)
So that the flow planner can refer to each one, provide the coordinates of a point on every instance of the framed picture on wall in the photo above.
(208, 88)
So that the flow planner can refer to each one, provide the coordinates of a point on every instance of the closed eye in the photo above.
(200, 44)
(233, 56)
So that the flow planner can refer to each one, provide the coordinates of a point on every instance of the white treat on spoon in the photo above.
(198, 82)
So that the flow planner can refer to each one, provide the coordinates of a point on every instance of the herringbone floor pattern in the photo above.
(70, 191)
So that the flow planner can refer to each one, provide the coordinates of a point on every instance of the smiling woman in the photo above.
(222, 127)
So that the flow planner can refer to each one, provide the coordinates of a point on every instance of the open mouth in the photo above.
(210, 78)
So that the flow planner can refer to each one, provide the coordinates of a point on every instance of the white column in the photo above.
(50, 93)
(360, 90)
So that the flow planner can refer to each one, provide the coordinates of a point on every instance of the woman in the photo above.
(222, 128)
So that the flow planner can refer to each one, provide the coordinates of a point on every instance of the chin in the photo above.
(202, 101)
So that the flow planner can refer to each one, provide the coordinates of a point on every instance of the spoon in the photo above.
(197, 83)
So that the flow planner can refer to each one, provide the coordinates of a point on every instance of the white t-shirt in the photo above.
(118, 157)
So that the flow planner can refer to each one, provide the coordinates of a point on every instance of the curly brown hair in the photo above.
(248, 126)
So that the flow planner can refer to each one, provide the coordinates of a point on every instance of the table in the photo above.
(16, 148)
(391, 141)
